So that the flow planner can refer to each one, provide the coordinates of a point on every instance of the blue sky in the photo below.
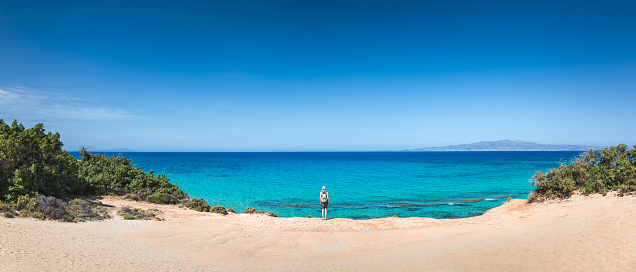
(319, 75)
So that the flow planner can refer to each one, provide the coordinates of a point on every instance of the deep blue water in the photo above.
(360, 184)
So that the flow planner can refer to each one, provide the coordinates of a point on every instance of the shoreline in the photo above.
(580, 233)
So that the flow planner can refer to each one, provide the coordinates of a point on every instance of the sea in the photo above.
(361, 185)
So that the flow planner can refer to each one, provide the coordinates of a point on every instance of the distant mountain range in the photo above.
(505, 145)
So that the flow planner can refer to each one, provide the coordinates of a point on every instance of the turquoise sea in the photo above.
(361, 185)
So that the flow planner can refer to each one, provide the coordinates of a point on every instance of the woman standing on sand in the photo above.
(324, 202)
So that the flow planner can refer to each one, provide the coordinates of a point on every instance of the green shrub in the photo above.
(218, 209)
(255, 211)
(116, 175)
(136, 213)
(272, 214)
(230, 210)
(198, 204)
(25, 202)
(133, 196)
(611, 169)
(163, 198)
(252, 211)
(38, 215)
(5, 207)
(75, 210)
(79, 210)
(140, 195)
(32, 162)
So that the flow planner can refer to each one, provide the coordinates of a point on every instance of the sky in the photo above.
(325, 75)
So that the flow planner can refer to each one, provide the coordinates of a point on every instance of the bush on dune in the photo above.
(51, 208)
(255, 211)
(116, 175)
(163, 198)
(32, 163)
(272, 214)
(5, 207)
(129, 213)
(80, 210)
(252, 211)
(611, 169)
(141, 195)
(218, 209)
(25, 203)
(198, 204)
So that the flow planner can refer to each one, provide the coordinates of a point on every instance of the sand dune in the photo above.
(592, 233)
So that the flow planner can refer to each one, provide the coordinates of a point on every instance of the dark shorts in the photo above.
(324, 205)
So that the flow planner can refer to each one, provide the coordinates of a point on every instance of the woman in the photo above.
(324, 202)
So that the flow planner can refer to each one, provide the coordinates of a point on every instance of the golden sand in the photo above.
(583, 233)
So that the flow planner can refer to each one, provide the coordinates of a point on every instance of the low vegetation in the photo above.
(116, 175)
(163, 198)
(200, 205)
(255, 211)
(141, 195)
(129, 213)
(611, 169)
(51, 208)
(33, 163)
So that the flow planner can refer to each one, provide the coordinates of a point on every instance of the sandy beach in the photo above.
(583, 233)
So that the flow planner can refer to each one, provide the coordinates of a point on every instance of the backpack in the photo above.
(323, 197)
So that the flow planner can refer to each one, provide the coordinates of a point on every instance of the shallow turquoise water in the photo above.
(360, 184)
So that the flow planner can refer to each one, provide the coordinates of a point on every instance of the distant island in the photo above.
(505, 145)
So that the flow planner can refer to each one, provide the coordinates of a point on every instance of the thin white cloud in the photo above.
(23, 103)
(7, 97)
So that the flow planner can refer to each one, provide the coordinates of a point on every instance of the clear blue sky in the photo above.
(319, 75)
